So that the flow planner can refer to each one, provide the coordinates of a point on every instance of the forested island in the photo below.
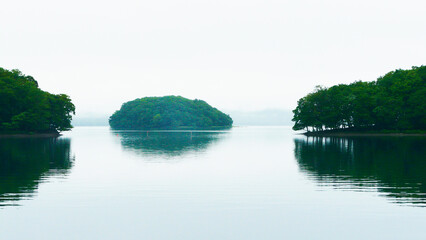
(169, 112)
(394, 103)
(26, 109)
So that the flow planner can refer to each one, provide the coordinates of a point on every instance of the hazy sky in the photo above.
(235, 54)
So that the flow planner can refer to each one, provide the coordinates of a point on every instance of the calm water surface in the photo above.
(245, 183)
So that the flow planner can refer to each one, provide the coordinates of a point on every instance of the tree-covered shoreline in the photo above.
(168, 112)
(26, 109)
(355, 132)
(396, 102)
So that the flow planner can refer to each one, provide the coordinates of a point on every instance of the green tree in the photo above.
(395, 101)
(24, 107)
(169, 112)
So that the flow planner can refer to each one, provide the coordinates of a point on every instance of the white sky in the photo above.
(235, 54)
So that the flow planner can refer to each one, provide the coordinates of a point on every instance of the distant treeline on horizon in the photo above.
(396, 101)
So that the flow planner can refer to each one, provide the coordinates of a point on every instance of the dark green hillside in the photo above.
(169, 112)
(25, 108)
(395, 102)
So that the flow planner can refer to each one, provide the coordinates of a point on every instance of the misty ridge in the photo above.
(267, 117)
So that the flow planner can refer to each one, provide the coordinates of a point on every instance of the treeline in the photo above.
(24, 107)
(396, 101)
(169, 112)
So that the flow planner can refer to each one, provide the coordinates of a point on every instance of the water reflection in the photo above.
(24, 163)
(168, 143)
(395, 167)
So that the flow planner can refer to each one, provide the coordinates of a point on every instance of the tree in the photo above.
(395, 101)
(169, 112)
(24, 107)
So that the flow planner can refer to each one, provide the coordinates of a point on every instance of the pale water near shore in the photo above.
(245, 183)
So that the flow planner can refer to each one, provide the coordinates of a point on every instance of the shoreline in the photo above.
(29, 135)
(362, 134)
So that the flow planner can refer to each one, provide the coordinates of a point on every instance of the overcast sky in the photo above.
(235, 54)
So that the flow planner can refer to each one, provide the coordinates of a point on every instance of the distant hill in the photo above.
(90, 121)
(269, 117)
(169, 112)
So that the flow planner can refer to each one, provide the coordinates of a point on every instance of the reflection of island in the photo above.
(168, 143)
(25, 162)
(395, 167)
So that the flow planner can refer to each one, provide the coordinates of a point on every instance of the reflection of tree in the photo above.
(168, 143)
(24, 163)
(395, 167)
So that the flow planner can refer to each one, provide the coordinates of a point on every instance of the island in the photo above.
(168, 112)
(26, 110)
(393, 104)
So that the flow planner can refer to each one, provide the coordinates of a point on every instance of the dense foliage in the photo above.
(169, 112)
(396, 101)
(24, 107)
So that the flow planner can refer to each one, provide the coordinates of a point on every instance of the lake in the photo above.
(243, 183)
